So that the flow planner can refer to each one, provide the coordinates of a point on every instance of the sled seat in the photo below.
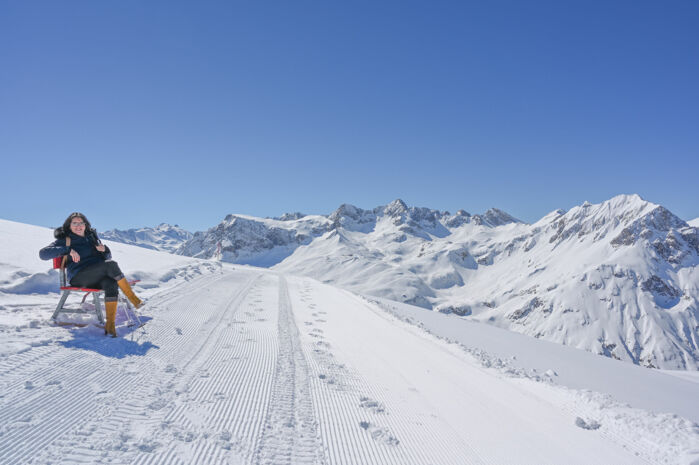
(59, 264)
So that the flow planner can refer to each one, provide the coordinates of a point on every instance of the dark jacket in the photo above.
(84, 246)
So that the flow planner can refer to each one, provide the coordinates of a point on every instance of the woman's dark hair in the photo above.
(66, 223)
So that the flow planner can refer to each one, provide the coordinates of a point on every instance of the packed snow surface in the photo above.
(243, 365)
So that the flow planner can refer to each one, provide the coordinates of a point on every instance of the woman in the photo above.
(89, 264)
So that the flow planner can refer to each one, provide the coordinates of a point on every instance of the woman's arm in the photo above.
(99, 246)
(55, 249)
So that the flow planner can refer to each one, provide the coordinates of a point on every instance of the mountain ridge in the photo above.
(164, 237)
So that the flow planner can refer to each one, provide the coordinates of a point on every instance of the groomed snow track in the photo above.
(251, 367)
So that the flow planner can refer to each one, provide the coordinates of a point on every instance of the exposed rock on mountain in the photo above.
(164, 237)
(255, 241)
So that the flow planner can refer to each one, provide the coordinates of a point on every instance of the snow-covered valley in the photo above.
(246, 365)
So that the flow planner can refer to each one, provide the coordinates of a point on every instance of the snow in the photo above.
(694, 223)
(243, 365)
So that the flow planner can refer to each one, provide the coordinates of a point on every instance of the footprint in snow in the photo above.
(158, 404)
(185, 436)
(379, 434)
(373, 405)
(327, 379)
(148, 446)
(178, 331)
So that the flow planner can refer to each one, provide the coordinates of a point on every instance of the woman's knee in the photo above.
(113, 270)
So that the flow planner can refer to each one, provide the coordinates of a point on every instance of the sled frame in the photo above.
(58, 264)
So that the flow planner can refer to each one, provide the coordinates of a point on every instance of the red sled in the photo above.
(59, 264)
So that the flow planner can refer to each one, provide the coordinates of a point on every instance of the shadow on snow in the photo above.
(92, 338)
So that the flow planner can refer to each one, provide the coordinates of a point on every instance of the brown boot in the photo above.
(128, 292)
(110, 325)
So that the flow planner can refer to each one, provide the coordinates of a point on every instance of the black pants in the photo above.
(102, 275)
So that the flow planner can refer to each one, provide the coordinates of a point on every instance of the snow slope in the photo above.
(694, 223)
(244, 365)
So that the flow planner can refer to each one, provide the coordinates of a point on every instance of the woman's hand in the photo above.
(74, 255)
(100, 247)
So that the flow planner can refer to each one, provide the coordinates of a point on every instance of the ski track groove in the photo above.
(187, 385)
(233, 393)
(290, 435)
(337, 406)
(339, 411)
(78, 366)
(53, 408)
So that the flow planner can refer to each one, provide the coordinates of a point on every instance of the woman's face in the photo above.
(77, 226)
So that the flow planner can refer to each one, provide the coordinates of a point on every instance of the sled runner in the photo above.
(66, 290)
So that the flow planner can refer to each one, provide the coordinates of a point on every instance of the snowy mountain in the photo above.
(268, 241)
(694, 223)
(164, 237)
(244, 365)
(255, 241)
(618, 278)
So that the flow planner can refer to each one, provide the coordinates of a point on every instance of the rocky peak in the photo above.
(671, 237)
(291, 216)
(596, 221)
(164, 237)
(460, 218)
(625, 199)
(346, 211)
(396, 209)
(495, 217)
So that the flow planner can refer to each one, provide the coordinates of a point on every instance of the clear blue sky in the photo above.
(141, 112)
